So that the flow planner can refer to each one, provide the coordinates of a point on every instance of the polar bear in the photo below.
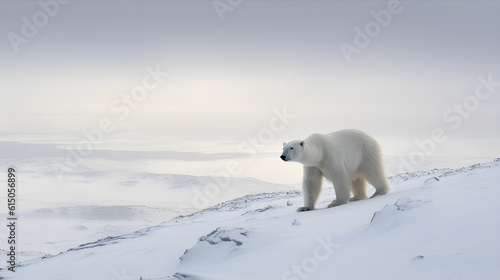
(346, 158)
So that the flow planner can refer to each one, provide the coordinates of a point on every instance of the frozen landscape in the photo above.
(434, 224)
(145, 139)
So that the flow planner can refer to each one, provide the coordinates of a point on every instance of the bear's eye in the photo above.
(291, 148)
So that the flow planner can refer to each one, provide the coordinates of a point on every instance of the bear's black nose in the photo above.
(282, 157)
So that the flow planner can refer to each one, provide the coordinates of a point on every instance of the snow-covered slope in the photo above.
(439, 224)
(58, 211)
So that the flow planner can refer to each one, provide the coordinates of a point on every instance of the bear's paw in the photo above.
(304, 209)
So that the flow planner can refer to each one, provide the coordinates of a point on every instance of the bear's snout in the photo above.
(283, 157)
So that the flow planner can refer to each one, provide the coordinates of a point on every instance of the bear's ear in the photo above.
(302, 143)
(284, 144)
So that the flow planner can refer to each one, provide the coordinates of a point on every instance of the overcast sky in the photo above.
(229, 69)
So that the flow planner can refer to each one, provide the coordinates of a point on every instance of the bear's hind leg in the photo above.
(358, 189)
(378, 180)
(342, 186)
(311, 187)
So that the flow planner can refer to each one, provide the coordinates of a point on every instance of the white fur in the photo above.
(346, 158)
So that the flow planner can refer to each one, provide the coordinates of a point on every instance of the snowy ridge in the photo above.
(232, 205)
(440, 172)
(436, 224)
(249, 200)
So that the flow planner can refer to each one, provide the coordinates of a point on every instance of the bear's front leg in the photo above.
(311, 187)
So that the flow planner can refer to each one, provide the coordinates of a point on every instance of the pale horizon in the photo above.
(184, 77)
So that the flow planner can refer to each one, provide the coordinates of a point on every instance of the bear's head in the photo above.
(293, 151)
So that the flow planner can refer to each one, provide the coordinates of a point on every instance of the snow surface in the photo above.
(436, 224)
(90, 202)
